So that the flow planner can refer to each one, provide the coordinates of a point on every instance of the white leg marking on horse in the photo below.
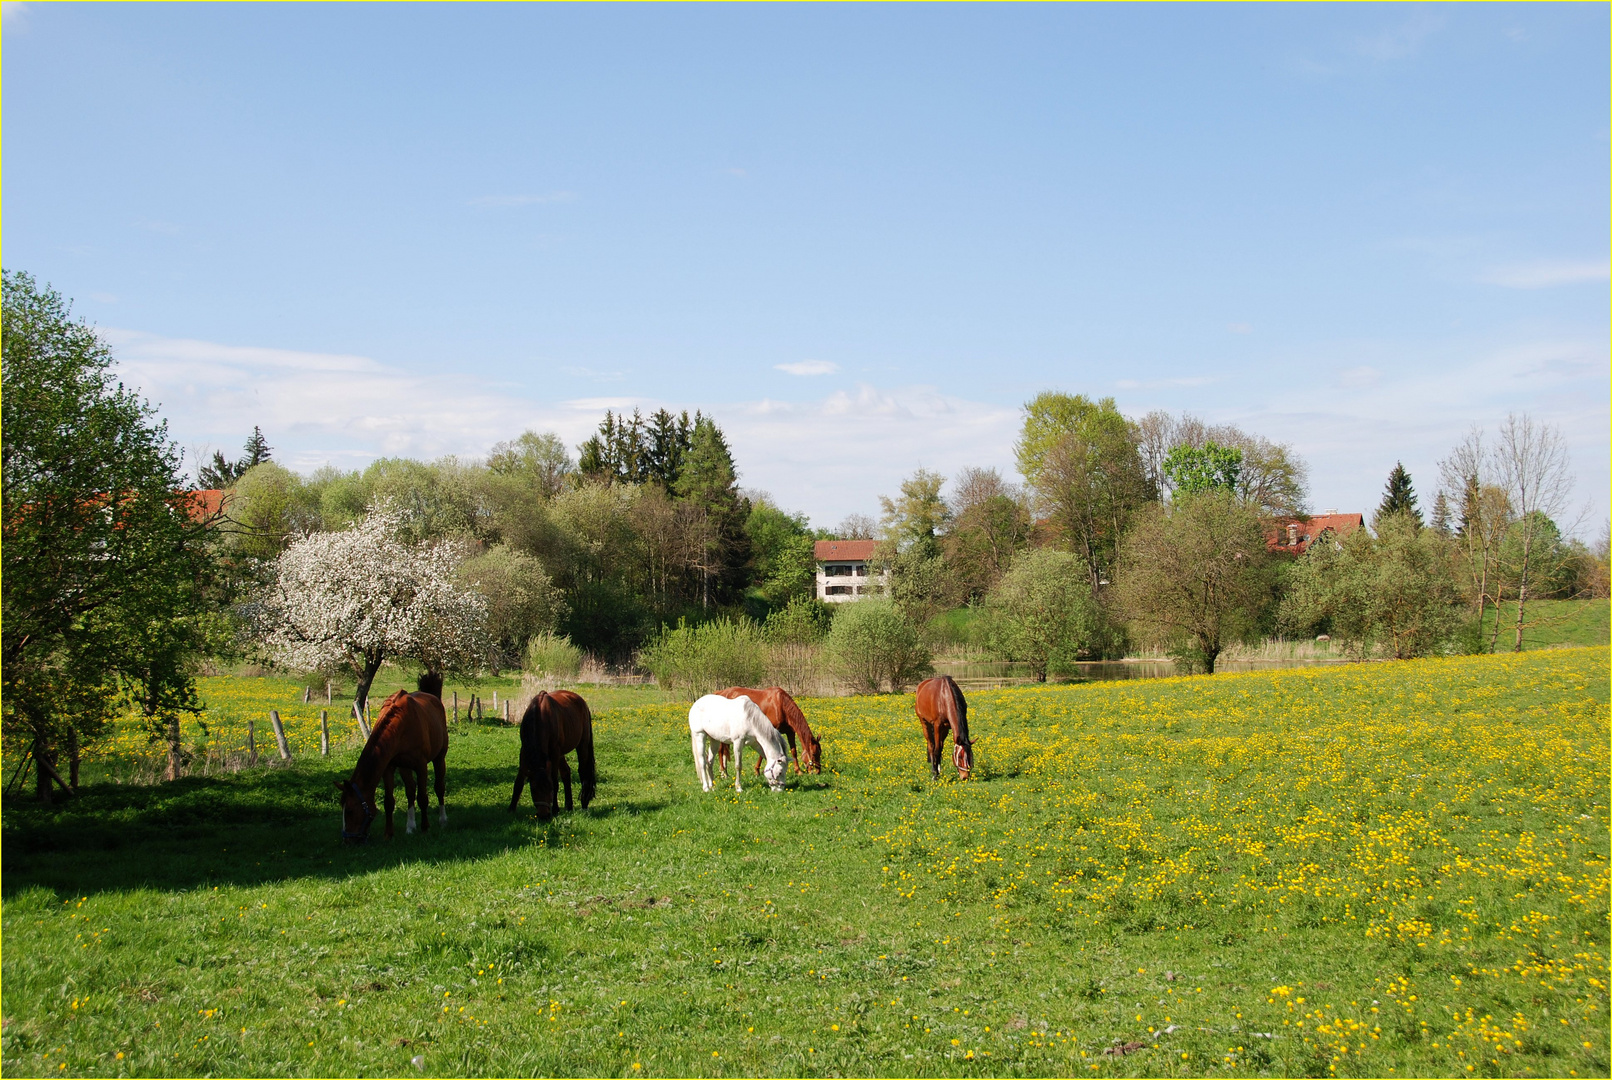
(410, 827)
(442, 813)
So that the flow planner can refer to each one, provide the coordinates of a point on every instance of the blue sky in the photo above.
(861, 236)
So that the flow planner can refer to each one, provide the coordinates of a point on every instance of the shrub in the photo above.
(874, 644)
(553, 656)
(697, 660)
(1041, 612)
(804, 622)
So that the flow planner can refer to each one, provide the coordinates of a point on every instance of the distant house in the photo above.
(1293, 536)
(843, 572)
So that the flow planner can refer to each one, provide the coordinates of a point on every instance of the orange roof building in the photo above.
(1293, 536)
(843, 572)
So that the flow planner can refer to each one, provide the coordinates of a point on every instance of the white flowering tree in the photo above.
(350, 600)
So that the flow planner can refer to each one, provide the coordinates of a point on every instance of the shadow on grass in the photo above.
(260, 826)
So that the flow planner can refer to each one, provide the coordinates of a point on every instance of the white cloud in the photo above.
(1402, 41)
(12, 12)
(1543, 274)
(522, 200)
(1240, 328)
(827, 456)
(809, 367)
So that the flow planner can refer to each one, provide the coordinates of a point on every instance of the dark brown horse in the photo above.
(552, 726)
(786, 716)
(410, 732)
(941, 708)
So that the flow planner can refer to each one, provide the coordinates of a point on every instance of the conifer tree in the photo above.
(1399, 497)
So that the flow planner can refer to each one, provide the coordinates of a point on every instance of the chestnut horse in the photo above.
(552, 726)
(412, 729)
(941, 708)
(786, 716)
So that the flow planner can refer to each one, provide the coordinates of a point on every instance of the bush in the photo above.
(697, 660)
(1041, 612)
(553, 656)
(804, 622)
(874, 644)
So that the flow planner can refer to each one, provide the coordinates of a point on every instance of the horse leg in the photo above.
(935, 739)
(789, 733)
(565, 774)
(391, 801)
(702, 764)
(738, 762)
(409, 796)
(439, 769)
(722, 757)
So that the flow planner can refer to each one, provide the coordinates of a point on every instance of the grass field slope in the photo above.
(1385, 869)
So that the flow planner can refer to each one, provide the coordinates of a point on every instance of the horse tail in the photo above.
(585, 763)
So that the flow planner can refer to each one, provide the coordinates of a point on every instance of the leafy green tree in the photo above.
(1395, 591)
(874, 644)
(915, 521)
(782, 547)
(270, 506)
(1191, 470)
(1083, 462)
(701, 659)
(1399, 498)
(989, 527)
(539, 460)
(522, 602)
(1194, 574)
(1042, 612)
(105, 559)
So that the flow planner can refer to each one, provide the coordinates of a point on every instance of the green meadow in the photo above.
(1384, 869)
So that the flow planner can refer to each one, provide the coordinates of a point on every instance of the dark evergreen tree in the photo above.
(709, 481)
(1399, 498)
(223, 474)
(1441, 515)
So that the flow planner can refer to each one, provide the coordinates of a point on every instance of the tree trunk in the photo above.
(41, 775)
(372, 664)
(1522, 581)
(1209, 657)
(175, 760)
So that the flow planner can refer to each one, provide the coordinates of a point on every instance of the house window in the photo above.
(837, 570)
(838, 590)
(862, 570)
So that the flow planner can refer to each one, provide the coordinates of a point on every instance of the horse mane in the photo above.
(795, 717)
(370, 755)
(959, 710)
(430, 682)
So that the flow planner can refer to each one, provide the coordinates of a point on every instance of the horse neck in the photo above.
(958, 711)
(796, 720)
(377, 752)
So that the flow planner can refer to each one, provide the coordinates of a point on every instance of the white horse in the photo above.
(735, 721)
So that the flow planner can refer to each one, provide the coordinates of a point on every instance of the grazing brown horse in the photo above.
(941, 708)
(552, 726)
(411, 731)
(786, 716)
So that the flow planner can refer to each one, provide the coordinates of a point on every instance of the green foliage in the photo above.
(1399, 498)
(921, 585)
(914, 522)
(781, 543)
(1042, 612)
(1084, 463)
(1395, 592)
(223, 474)
(1192, 470)
(874, 645)
(640, 451)
(106, 571)
(989, 527)
(553, 656)
(805, 621)
(522, 601)
(1195, 576)
(695, 660)
(539, 461)
(270, 506)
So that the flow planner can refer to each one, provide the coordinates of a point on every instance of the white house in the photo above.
(843, 570)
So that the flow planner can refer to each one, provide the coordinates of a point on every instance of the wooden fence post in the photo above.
(307, 694)
(279, 735)
(324, 732)
(506, 710)
(251, 743)
(495, 701)
(456, 706)
(327, 691)
(363, 728)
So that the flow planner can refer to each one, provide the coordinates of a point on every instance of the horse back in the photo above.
(570, 722)
(775, 704)
(432, 720)
(938, 700)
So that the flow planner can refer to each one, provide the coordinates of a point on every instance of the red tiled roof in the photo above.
(207, 503)
(1306, 533)
(846, 550)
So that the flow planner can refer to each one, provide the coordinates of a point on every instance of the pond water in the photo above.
(985, 675)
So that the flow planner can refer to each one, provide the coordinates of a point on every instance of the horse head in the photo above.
(814, 754)
(357, 811)
(963, 758)
(774, 772)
